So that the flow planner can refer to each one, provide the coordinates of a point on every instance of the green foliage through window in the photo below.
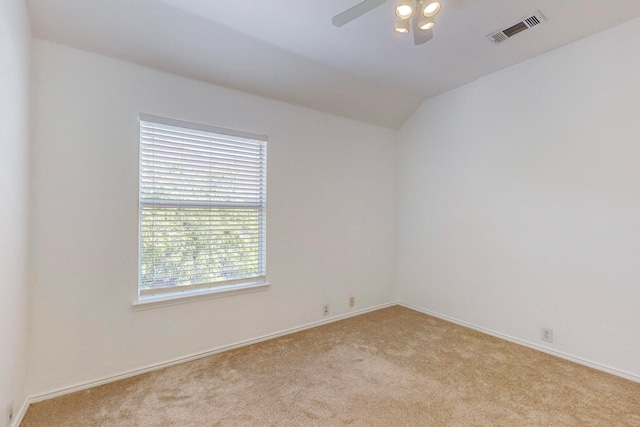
(202, 208)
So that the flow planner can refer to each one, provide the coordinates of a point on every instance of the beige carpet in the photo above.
(392, 367)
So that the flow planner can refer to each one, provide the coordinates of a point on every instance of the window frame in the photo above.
(177, 293)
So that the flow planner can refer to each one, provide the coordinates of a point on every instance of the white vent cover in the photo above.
(536, 18)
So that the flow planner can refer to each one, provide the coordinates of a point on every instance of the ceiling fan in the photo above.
(418, 14)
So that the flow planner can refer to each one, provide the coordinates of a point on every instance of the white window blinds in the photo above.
(202, 207)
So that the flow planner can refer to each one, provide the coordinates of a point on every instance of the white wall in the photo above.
(519, 201)
(15, 40)
(331, 218)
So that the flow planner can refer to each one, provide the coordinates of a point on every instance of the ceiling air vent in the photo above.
(536, 18)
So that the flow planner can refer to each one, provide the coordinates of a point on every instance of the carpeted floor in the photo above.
(392, 367)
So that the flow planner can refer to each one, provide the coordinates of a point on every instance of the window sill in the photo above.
(186, 297)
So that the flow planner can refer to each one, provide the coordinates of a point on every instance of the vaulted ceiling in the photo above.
(288, 49)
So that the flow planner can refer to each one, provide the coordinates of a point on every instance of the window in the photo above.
(202, 208)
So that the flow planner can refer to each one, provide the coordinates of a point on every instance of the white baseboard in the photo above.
(83, 386)
(195, 356)
(18, 416)
(569, 357)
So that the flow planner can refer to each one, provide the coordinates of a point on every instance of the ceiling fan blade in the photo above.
(355, 12)
(420, 36)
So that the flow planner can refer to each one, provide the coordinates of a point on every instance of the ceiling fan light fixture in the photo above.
(426, 23)
(402, 26)
(411, 13)
(430, 8)
(404, 9)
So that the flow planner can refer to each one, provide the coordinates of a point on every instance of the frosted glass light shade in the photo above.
(431, 8)
(404, 9)
(402, 26)
(426, 23)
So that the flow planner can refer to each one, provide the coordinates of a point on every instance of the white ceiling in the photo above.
(288, 49)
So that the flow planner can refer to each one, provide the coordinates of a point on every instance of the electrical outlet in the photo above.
(325, 309)
(352, 301)
(547, 334)
(9, 413)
